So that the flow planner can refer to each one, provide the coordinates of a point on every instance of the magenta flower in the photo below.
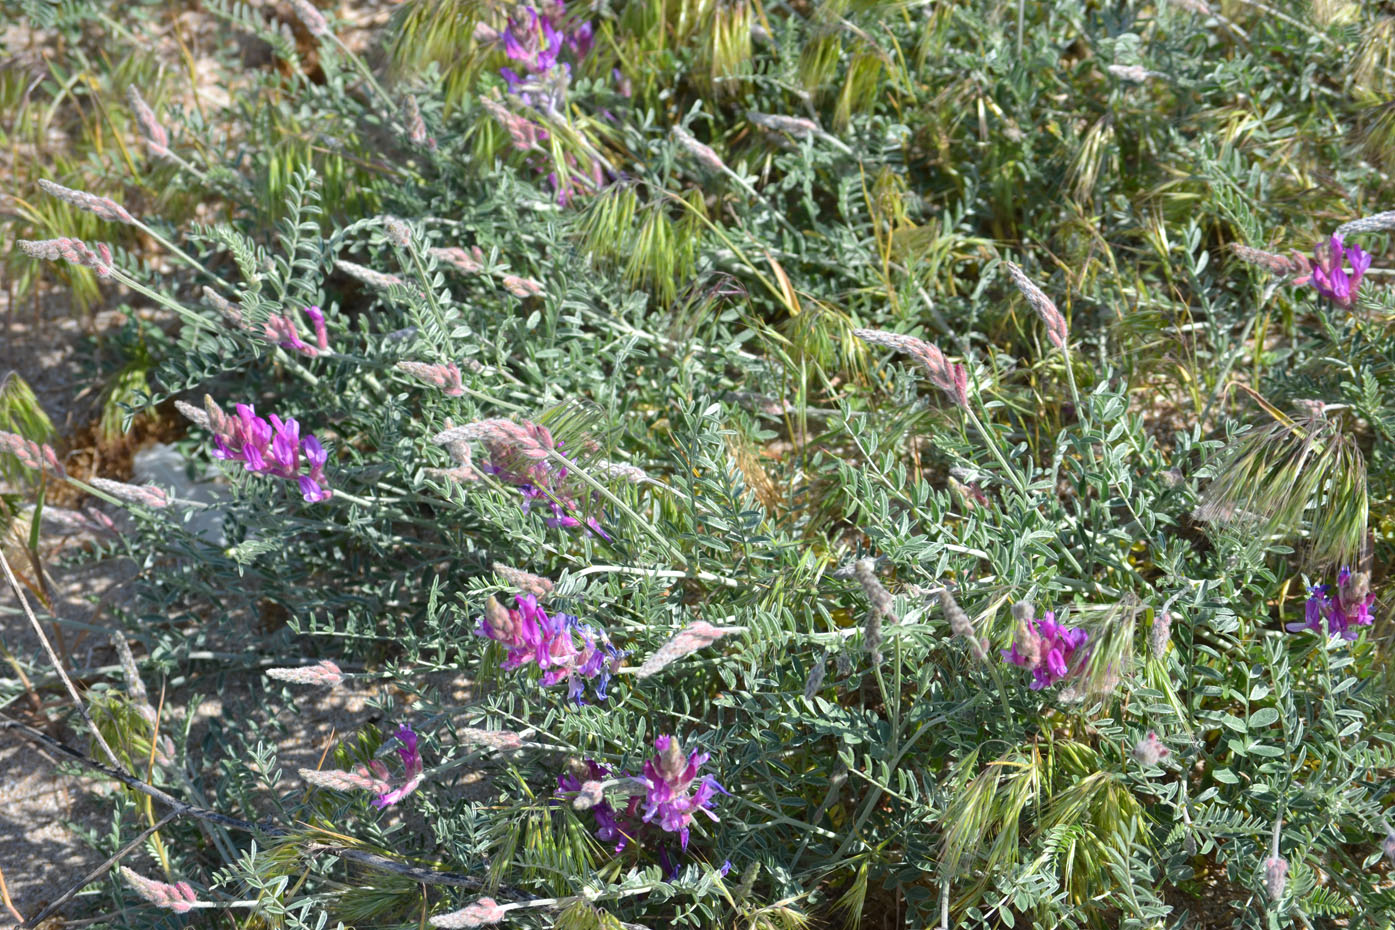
(1349, 606)
(671, 798)
(1047, 648)
(1327, 274)
(550, 642)
(411, 768)
(273, 448)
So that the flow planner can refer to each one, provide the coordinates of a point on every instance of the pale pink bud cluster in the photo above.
(102, 207)
(147, 495)
(1136, 74)
(193, 414)
(312, 18)
(1269, 261)
(1275, 876)
(526, 582)
(481, 913)
(471, 262)
(371, 777)
(698, 150)
(398, 232)
(1150, 750)
(179, 897)
(1056, 329)
(31, 454)
(522, 287)
(445, 377)
(795, 126)
(368, 275)
(416, 126)
(73, 521)
(1160, 634)
(866, 572)
(73, 251)
(224, 306)
(619, 470)
(498, 740)
(323, 672)
(281, 330)
(1368, 224)
(156, 138)
(950, 378)
(524, 132)
(529, 441)
(960, 624)
(688, 640)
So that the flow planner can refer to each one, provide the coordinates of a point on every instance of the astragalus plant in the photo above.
(771, 466)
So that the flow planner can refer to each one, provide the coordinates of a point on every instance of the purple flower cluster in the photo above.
(672, 799)
(1327, 274)
(672, 794)
(559, 644)
(1047, 648)
(1346, 607)
(274, 448)
(534, 42)
(411, 768)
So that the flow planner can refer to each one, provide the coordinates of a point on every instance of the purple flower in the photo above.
(549, 641)
(1327, 274)
(1350, 607)
(411, 768)
(273, 449)
(671, 799)
(1047, 648)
